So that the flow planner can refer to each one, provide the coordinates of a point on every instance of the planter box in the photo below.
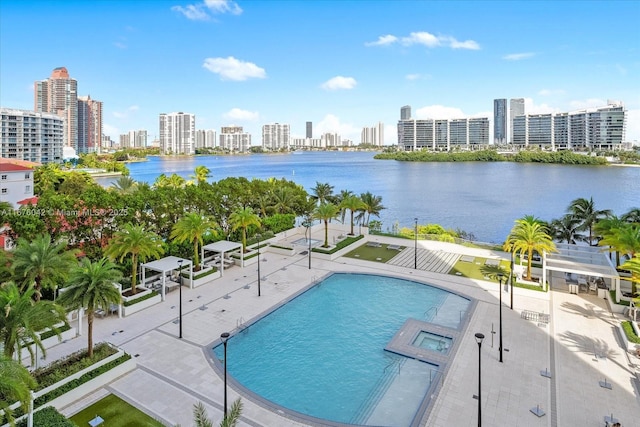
(279, 251)
(203, 280)
(50, 342)
(630, 346)
(246, 262)
(141, 292)
(615, 308)
(126, 311)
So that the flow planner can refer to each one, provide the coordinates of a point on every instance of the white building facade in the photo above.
(373, 135)
(206, 138)
(276, 137)
(443, 134)
(234, 139)
(32, 136)
(177, 133)
(16, 183)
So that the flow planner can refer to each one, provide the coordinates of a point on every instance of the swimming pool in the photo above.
(322, 354)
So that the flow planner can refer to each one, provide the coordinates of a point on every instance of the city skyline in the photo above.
(252, 63)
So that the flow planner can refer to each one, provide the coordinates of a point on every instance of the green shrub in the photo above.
(50, 333)
(48, 417)
(142, 298)
(342, 244)
(286, 248)
(630, 333)
(612, 294)
(201, 275)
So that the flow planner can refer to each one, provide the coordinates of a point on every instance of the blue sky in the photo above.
(340, 64)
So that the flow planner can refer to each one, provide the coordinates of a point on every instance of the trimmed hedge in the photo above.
(287, 248)
(201, 275)
(78, 382)
(50, 333)
(630, 333)
(48, 417)
(342, 244)
(142, 298)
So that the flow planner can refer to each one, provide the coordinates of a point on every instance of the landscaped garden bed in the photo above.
(140, 301)
(116, 413)
(201, 277)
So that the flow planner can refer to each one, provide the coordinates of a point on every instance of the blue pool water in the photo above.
(322, 354)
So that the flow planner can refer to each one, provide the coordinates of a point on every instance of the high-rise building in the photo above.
(309, 130)
(373, 135)
(233, 138)
(516, 108)
(134, 139)
(435, 134)
(405, 112)
(275, 137)
(177, 133)
(206, 138)
(59, 95)
(499, 121)
(89, 125)
(32, 136)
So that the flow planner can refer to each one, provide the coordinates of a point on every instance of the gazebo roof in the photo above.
(166, 264)
(587, 260)
(222, 246)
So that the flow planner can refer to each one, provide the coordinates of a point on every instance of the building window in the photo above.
(4, 191)
(26, 176)
(27, 189)
(4, 177)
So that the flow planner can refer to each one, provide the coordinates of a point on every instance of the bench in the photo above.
(374, 244)
(394, 247)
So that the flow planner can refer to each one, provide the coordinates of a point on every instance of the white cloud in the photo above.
(425, 39)
(633, 126)
(415, 76)
(241, 115)
(120, 45)
(383, 41)
(234, 69)
(111, 131)
(550, 92)
(530, 107)
(439, 112)
(339, 82)
(203, 11)
(518, 56)
(583, 104)
(126, 113)
(331, 123)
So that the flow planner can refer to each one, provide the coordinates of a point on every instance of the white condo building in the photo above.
(373, 135)
(276, 137)
(206, 138)
(16, 183)
(233, 138)
(596, 128)
(443, 134)
(32, 136)
(516, 109)
(134, 139)
(177, 133)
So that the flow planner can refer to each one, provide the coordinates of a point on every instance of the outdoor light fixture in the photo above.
(479, 338)
(500, 276)
(309, 229)
(415, 247)
(224, 337)
(258, 265)
(180, 286)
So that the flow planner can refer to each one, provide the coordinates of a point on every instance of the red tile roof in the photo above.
(29, 201)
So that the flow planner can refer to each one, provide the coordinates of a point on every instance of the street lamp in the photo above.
(500, 276)
(479, 338)
(180, 287)
(415, 246)
(511, 279)
(309, 237)
(258, 265)
(224, 337)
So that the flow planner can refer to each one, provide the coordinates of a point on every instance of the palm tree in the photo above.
(134, 240)
(125, 185)
(372, 206)
(92, 287)
(627, 239)
(339, 199)
(244, 218)
(566, 229)
(353, 203)
(201, 419)
(42, 262)
(16, 384)
(322, 192)
(325, 212)
(632, 216)
(609, 230)
(283, 200)
(201, 174)
(529, 235)
(585, 211)
(23, 319)
(633, 265)
(192, 228)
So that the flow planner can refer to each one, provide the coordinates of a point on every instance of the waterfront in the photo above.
(481, 198)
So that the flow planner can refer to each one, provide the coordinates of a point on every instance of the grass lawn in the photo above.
(116, 413)
(371, 253)
(472, 270)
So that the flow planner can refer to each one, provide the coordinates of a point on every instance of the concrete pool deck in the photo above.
(174, 374)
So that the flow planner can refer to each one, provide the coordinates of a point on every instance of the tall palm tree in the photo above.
(372, 206)
(125, 185)
(42, 262)
(326, 212)
(23, 319)
(322, 192)
(585, 211)
(15, 385)
(353, 204)
(201, 419)
(633, 265)
(566, 229)
(339, 199)
(627, 239)
(528, 235)
(283, 200)
(632, 216)
(137, 242)
(609, 230)
(192, 228)
(92, 287)
(244, 218)
(201, 174)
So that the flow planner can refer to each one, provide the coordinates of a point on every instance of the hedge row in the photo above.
(48, 417)
(142, 298)
(631, 334)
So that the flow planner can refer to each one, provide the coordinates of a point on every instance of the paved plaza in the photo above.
(579, 348)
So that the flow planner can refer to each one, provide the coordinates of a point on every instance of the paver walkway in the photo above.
(173, 373)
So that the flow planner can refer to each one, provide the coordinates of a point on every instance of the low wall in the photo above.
(126, 311)
(50, 342)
